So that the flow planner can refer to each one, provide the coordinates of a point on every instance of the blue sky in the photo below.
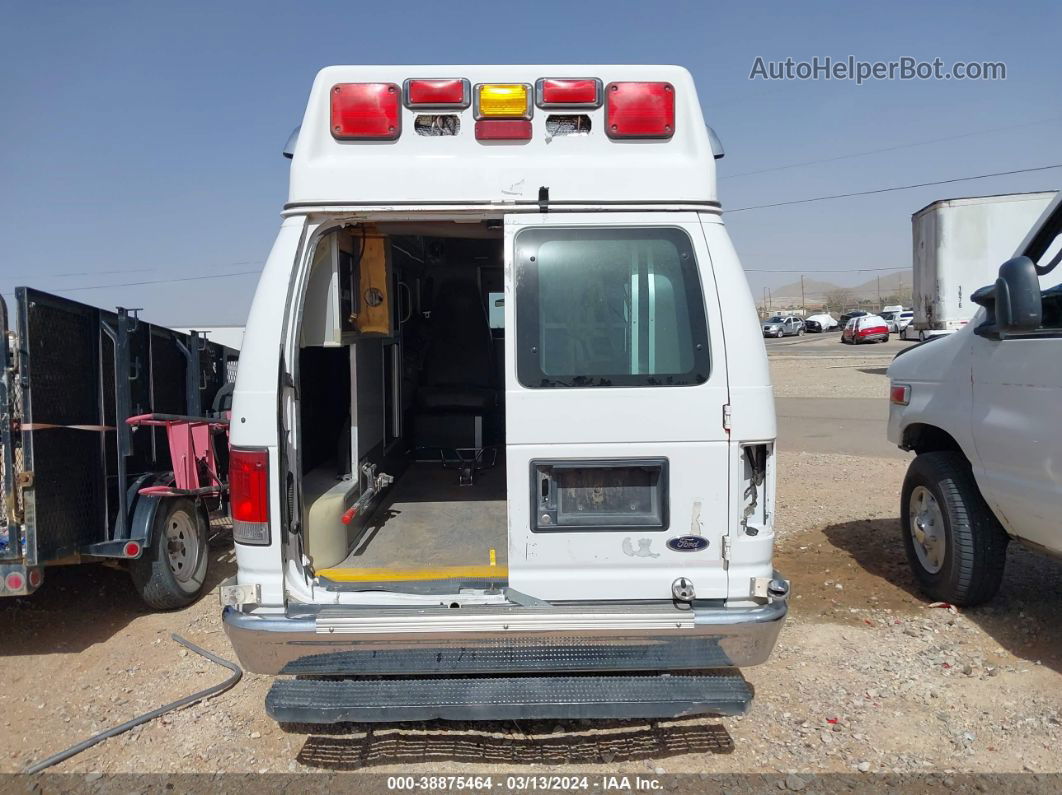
(141, 141)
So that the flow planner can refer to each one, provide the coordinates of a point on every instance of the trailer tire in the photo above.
(961, 561)
(172, 571)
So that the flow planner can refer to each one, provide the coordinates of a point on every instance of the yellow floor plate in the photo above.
(401, 575)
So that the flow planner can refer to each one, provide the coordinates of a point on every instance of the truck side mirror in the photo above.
(1014, 303)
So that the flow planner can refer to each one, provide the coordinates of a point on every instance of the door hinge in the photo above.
(726, 552)
(726, 416)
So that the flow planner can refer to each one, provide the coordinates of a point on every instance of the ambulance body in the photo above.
(503, 429)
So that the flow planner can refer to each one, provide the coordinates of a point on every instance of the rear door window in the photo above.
(599, 307)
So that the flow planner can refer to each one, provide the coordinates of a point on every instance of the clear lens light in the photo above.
(503, 100)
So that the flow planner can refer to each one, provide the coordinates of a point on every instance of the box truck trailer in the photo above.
(958, 245)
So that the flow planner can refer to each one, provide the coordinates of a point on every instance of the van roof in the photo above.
(577, 169)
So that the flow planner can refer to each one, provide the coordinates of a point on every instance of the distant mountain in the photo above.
(817, 291)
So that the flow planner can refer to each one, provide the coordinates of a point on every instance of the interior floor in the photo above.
(429, 527)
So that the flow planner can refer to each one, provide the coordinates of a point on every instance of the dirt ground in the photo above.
(866, 676)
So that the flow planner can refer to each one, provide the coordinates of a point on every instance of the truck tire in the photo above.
(172, 571)
(954, 543)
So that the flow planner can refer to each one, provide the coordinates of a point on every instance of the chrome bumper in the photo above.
(335, 640)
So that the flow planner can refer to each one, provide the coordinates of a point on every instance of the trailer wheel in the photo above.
(172, 571)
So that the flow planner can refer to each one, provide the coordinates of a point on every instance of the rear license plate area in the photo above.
(594, 495)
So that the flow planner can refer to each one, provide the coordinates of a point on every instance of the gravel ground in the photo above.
(866, 676)
(837, 376)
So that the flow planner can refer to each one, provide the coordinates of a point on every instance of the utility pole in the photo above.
(879, 292)
(770, 299)
(803, 303)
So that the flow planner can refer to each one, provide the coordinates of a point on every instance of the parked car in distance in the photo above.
(849, 315)
(821, 323)
(865, 328)
(783, 326)
(898, 321)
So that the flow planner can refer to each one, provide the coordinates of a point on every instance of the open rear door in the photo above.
(615, 386)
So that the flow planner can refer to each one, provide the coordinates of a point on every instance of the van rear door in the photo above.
(616, 383)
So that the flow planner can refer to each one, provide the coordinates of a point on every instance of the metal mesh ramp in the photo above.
(519, 655)
(507, 697)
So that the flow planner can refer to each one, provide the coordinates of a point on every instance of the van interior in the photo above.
(401, 408)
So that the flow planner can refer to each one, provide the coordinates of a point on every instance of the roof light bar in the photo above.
(366, 111)
(451, 92)
(568, 92)
(640, 110)
(503, 101)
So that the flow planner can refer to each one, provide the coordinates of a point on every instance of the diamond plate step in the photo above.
(519, 655)
(506, 697)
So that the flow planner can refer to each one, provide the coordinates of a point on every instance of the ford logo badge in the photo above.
(688, 543)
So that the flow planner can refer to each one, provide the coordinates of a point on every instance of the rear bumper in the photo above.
(338, 641)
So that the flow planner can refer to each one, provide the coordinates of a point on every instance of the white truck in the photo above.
(981, 408)
(958, 246)
(503, 429)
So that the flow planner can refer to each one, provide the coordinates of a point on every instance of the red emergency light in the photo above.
(640, 110)
(453, 92)
(568, 92)
(366, 111)
(503, 130)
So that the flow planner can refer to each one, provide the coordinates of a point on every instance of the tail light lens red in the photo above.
(640, 110)
(503, 130)
(249, 495)
(567, 92)
(366, 111)
(900, 394)
(14, 581)
(132, 549)
(453, 92)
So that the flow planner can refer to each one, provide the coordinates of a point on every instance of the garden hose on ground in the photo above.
(214, 690)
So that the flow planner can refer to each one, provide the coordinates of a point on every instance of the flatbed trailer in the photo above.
(107, 439)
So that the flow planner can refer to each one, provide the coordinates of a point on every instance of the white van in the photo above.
(503, 426)
(981, 408)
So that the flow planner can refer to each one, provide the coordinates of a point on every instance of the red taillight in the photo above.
(132, 549)
(640, 110)
(14, 581)
(249, 485)
(900, 394)
(559, 92)
(453, 92)
(36, 577)
(503, 130)
(366, 111)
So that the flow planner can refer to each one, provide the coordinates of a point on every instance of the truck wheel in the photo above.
(954, 543)
(172, 571)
